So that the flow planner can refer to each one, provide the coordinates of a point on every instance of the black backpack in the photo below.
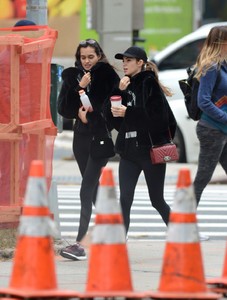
(190, 87)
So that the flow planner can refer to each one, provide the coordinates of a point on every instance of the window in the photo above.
(183, 57)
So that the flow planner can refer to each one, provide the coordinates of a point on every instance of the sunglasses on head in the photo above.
(88, 42)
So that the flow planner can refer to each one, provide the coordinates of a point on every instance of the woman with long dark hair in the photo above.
(93, 74)
(143, 119)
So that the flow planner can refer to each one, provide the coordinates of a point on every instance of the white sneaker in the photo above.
(203, 237)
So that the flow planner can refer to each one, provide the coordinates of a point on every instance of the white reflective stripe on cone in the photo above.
(108, 234)
(184, 200)
(36, 192)
(182, 233)
(37, 226)
(106, 201)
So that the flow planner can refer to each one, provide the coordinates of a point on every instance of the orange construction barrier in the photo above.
(108, 268)
(182, 275)
(33, 272)
(219, 285)
(27, 131)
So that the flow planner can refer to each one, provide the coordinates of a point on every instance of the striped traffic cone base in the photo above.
(182, 275)
(108, 269)
(33, 272)
(112, 260)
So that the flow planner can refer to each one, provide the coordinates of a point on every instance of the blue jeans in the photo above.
(213, 150)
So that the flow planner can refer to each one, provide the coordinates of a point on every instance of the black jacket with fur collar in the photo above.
(148, 114)
(103, 80)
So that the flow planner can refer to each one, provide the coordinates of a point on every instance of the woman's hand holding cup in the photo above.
(117, 109)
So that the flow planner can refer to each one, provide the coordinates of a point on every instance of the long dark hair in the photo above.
(93, 44)
(150, 66)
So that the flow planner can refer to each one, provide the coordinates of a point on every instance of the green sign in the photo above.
(85, 14)
(165, 21)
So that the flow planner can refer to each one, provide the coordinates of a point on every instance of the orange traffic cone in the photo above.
(108, 268)
(182, 275)
(219, 285)
(33, 273)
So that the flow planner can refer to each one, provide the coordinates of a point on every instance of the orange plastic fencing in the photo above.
(27, 131)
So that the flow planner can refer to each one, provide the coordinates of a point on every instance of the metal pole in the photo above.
(198, 7)
(36, 11)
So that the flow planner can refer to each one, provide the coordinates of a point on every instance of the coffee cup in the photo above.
(115, 101)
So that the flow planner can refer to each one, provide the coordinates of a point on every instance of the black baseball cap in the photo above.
(135, 52)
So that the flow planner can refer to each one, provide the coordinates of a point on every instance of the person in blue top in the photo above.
(212, 100)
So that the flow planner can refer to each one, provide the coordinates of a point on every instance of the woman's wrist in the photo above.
(78, 88)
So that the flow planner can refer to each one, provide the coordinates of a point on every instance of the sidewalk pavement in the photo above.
(145, 256)
(145, 259)
(145, 265)
(66, 171)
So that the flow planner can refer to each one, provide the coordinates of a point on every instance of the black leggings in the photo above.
(129, 172)
(90, 170)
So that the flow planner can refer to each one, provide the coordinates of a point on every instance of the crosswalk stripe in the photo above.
(146, 223)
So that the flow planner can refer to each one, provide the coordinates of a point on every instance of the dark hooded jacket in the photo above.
(103, 80)
(148, 114)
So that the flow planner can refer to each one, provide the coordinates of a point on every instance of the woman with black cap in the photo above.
(144, 116)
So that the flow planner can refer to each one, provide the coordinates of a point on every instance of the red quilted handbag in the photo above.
(163, 154)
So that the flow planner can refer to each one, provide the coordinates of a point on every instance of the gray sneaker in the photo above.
(74, 252)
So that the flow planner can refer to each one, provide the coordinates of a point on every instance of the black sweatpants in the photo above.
(129, 172)
(90, 170)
